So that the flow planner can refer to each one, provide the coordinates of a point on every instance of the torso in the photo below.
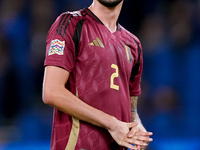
(100, 77)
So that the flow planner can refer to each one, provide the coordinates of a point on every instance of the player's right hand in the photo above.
(141, 134)
(119, 131)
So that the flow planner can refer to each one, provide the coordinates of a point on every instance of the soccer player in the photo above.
(92, 78)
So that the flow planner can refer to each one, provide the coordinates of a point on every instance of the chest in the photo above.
(99, 43)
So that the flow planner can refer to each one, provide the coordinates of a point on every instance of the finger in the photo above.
(132, 124)
(141, 130)
(141, 127)
(144, 147)
(128, 145)
(141, 147)
(132, 132)
(136, 142)
(143, 138)
(144, 133)
(138, 147)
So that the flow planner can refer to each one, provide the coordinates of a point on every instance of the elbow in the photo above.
(47, 96)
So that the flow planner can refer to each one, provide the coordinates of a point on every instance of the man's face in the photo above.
(109, 3)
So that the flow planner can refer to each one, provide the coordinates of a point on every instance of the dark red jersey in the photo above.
(105, 70)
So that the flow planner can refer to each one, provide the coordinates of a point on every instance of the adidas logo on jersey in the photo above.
(97, 42)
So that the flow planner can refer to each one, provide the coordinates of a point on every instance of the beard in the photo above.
(109, 3)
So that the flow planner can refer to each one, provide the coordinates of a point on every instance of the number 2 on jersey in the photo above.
(113, 76)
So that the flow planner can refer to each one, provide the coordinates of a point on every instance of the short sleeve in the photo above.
(135, 79)
(60, 49)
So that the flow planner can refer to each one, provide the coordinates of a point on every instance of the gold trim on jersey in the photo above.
(97, 42)
(74, 132)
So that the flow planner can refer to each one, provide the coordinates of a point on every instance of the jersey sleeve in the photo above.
(60, 49)
(135, 79)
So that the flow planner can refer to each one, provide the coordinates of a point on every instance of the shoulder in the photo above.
(70, 16)
(66, 22)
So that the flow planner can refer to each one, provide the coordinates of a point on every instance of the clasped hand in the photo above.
(140, 137)
(127, 134)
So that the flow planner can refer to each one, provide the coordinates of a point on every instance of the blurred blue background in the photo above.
(169, 31)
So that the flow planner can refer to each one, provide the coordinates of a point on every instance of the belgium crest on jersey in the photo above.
(128, 53)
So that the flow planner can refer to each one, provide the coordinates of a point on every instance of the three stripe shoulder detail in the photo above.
(65, 22)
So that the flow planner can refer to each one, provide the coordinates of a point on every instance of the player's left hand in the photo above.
(138, 133)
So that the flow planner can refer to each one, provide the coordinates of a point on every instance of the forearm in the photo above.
(134, 113)
(65, 101)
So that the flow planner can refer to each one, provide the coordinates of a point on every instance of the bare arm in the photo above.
(134, 113)
(56, 95)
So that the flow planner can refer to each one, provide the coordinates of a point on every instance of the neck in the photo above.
(107, 15)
